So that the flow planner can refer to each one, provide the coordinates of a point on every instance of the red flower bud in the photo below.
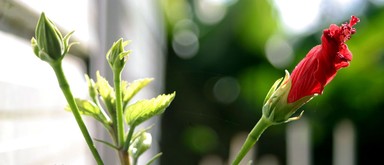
(322, 62)
(310, 76)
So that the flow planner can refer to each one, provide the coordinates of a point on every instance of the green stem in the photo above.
(119, 108)
(129, 137)
(123, 153)
(135, 160)
(57, 67)
(252, 138)
(154, 158)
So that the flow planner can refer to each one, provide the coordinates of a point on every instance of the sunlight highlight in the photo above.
(298, 15)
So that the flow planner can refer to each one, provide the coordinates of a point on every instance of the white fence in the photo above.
(298, 149)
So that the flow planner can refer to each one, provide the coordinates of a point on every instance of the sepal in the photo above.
(276, 107)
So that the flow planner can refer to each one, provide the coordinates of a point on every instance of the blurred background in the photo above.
(220, 56)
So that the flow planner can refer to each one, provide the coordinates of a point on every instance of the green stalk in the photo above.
(129, 137)
(57, 67)
(154, 158)
(135, 161)
(252, 138)
(119, 108)
(123, 153)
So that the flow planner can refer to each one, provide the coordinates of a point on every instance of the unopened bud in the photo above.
(117, 56)
(276, 107)
(140, 144)
(49, 45)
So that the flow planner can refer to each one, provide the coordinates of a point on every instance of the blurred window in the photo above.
(34, 127)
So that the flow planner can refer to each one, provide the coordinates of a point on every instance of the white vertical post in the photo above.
(344, 143)
(235, 146)
(268, 159)
(211, 160)
(298, 143)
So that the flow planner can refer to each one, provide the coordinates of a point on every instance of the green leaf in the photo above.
(106, 92)
(91, 88)
(130, 90)
(143, 110)
(88, 108)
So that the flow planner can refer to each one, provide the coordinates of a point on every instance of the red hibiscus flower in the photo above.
(308, 79)
(322, 62)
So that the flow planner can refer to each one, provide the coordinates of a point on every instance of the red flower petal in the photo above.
(320, 65)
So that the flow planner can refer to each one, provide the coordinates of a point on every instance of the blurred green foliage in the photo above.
(255, 23)
(235, 47)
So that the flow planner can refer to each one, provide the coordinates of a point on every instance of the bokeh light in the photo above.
(200, 139)
(279, 52)
(226, 90)
(185, 43)
(210, 11)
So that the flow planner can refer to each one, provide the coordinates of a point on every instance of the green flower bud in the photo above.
(276, 107)
(117, 56)
(140, 144)
(49, 45)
